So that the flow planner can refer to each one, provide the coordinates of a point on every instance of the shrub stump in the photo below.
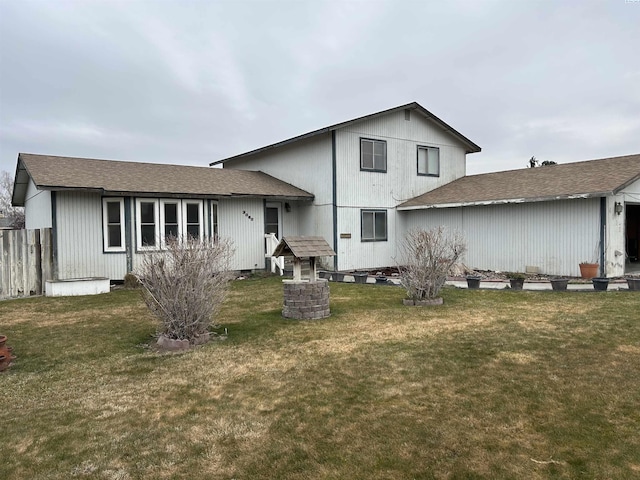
(304, 300)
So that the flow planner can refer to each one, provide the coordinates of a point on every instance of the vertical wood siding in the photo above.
(554, 236)
(80, 241)
(305, 164)
(242, 221)
(377, 190)
(37, 207)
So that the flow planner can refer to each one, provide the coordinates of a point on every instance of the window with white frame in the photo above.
(373, 225)
(113, 224)
(192, 215)
(373, 155)
(147, 224)
(158, 220)
(429, 161)
(170, 219)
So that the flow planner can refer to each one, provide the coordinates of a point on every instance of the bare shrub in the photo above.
(428, 257)
(185, 285)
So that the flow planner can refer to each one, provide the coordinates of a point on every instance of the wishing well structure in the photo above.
(305, 298)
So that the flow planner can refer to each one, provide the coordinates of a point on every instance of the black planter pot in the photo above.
(600, 283)
(516, 283)
(473, 281)
(634, 284)
(559, 284)
(323, 274)
(360, 277)
(381, 279)
(337, 276)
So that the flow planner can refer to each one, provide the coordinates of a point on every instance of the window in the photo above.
(373, 155)
(147, 223)
(113, 224)
(158, 220)
(192, 214)
(429, 161)
(170, 219)
(374, 225)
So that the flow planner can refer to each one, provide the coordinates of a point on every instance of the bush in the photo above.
(185, 285)
(131, 282)
(429, 255)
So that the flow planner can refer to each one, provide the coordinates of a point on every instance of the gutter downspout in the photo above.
(129, 240)
(334, 186)
(603, 230)
(54, 236)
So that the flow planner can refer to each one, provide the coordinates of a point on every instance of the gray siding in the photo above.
(307, 164)
(37, 207)
(242, 221)
(79, 239)
(359, 189)
(554, 236)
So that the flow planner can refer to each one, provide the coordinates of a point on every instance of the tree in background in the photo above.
(14, 214)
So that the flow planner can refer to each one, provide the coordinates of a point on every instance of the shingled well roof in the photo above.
(117, 177)
(592, 178)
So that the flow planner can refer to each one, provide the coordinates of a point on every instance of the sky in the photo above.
(194, 81)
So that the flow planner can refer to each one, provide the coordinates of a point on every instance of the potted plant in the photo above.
(559, 284)
(516, 280)
(473, 281)
(600, 283)
(589, 269)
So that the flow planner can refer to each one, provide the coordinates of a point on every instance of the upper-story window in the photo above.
(373, 155)
(429, 161)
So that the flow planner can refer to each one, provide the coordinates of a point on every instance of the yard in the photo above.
(493, 384)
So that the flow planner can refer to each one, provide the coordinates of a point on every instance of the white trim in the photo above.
(156, 219)
(177, 203)
(105, 225)
(199, 203)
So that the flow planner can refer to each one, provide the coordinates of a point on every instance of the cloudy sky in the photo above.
(194, 81)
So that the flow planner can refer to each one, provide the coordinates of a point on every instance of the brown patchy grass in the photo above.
(490, 385)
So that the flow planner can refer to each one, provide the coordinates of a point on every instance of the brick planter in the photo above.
(306, 300)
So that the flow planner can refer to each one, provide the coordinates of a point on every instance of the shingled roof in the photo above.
(116, 177)
(593, 178)
(303, 247)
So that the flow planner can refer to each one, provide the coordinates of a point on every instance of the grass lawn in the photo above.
(493, 384)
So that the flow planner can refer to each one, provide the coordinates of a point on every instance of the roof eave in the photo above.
(504, 201)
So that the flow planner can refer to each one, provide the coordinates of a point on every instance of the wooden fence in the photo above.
(26, 262)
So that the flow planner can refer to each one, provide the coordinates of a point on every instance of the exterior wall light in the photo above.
(618, 208)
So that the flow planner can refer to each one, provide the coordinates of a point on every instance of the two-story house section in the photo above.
(359, 171)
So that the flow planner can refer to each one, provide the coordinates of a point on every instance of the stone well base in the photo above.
(304, 300)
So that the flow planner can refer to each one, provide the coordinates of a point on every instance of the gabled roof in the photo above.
(116, 177)
(593, 178)
(414, 106)
(303, 247)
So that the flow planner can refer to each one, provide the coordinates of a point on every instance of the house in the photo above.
(550, 218)
(360, 184)
(105, 214)
(359, 171)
